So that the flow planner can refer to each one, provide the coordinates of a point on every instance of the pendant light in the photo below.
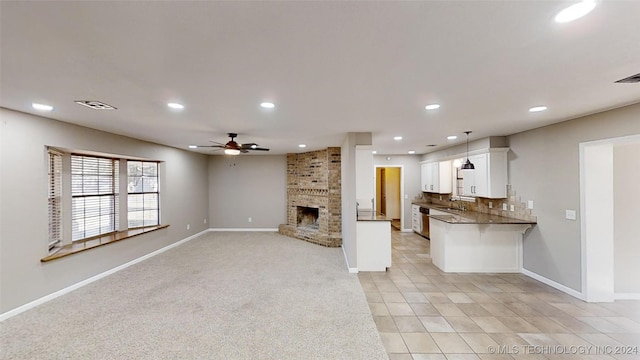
(467, 164)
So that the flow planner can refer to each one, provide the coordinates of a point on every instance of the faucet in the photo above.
(459, 204)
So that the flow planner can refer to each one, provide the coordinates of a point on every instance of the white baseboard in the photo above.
(626, 296)
(554, 284)
(243, 229)
(346, 261)
(68, 289)
(407, 230)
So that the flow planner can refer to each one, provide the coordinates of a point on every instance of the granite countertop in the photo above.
(455, 216)
(368, 215)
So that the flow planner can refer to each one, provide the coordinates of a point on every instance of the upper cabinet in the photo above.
(489, 179)
(436, 177)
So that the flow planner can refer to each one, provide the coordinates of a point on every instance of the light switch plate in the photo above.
(530, 204)
(512, 207)
(504, 207)
(490, 205)
(570, 214)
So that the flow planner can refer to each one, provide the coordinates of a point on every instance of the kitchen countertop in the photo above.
(455, 216)
(368, 215)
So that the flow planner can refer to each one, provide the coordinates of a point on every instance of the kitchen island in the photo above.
(373, 239)
(468, 241)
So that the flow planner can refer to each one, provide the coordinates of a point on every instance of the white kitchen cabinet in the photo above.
(373, 245)
(416, 218)
(489, 179)
(436, 177)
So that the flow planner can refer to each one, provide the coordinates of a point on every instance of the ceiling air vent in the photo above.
(96, 105)
(631, 79)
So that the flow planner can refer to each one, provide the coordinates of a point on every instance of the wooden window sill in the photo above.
(80, 246)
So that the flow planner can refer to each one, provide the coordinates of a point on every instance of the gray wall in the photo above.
(410, 178)
(544, 167)
(626, 210)
(23, 206)
(247, 186)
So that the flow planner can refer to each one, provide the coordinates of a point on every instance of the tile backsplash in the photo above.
(481, 205)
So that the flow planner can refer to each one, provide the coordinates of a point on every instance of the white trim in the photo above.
(553, 284)
(407, 230)
(626, 296)
(465, 154)
(351, 270)
(240, 229)
(68, 289)
(402, 181)
(592, 274)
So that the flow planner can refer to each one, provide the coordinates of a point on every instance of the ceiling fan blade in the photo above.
(212, 146)
(244, 151)
(260, 149)
(249, 146)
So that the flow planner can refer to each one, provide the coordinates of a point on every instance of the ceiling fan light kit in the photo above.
(233, 148)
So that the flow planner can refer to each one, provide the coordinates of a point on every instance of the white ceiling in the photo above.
(330, 68)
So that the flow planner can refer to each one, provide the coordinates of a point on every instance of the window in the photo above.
(91, 197)
(143, 199)
(94, 190)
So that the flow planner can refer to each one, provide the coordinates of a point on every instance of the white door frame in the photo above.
(375, 193)
(596, 217)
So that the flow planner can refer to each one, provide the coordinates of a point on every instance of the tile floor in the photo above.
(425, 314)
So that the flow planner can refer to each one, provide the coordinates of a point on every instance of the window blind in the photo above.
(55, 199)
(94, 196)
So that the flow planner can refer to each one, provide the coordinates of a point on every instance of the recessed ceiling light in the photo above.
(432, 106)
(412, 151)
(42, 107)
(575, 11)
(538, 108)
(193, 146)
(268, 105)
(452, 137)
(374, 152)
(302, 145)
(397, 138)
(175, 106)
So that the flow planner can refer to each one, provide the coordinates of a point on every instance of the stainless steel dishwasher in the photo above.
(424, 231)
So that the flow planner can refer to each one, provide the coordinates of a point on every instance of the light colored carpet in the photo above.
(221, 296)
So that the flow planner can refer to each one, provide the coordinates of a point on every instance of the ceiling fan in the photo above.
(233, 148)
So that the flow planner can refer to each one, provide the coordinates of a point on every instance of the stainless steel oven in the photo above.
(424, 212)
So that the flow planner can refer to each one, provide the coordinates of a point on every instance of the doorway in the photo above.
(598, 188)
(388, 194)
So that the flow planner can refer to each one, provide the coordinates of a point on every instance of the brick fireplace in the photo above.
(314, 197)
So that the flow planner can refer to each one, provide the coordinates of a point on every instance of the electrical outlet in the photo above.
(490, 205)
(570, 214)
(188, 226)
(250, 220)
(504, 206)
(205, 221)
(530, 204)
(406, 196)
(512, 207)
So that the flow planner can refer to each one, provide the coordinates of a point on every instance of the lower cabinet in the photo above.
(373, 245)
(416, 219)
